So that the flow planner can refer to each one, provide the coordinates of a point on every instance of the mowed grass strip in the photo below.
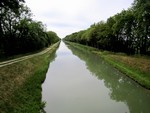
(137, 68)
(20, 84)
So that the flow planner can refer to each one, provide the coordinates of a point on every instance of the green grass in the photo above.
(20, 84)
(135, 67)
(141, 77)
(82, 46)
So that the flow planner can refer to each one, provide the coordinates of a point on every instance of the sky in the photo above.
(67, 16)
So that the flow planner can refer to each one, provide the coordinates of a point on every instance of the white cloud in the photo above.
(67, 16)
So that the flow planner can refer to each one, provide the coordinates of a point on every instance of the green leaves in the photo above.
(128, 31)
(52, 37)
(19, 33)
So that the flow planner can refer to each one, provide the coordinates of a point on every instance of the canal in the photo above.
(78, 81)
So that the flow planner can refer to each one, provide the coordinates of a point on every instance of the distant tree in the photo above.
(53, 38)
(127, 31)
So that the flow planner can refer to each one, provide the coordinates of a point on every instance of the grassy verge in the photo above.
(80, 46)
(135, 67)
(20, 84)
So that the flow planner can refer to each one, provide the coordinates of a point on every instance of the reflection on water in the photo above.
(80, 82)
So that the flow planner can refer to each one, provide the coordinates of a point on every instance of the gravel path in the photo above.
(9, 62)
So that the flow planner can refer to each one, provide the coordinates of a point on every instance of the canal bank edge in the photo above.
(21, 86)
(133, 72)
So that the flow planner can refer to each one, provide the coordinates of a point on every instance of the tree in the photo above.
(127, 31)
(52, 37)
(142, 14)
(19, 33)
(8, 7)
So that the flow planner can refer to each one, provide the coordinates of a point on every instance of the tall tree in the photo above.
(8, 10)
(142, 14)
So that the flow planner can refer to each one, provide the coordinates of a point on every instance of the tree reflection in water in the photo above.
(122, 88)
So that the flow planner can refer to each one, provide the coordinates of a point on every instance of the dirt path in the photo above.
(9, 62)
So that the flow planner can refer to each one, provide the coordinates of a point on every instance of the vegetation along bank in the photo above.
(20, 83)
(128, 33)
(136, 67)
(19, 33)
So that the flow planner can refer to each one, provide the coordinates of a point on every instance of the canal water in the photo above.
(78, 81)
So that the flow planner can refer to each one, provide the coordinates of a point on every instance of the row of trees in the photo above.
(128, 31)
(19, 33)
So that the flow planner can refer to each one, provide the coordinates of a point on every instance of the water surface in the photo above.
(80, 82)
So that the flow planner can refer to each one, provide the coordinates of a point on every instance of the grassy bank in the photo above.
(20, 83)
(135, 67)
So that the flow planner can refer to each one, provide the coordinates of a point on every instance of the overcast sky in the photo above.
(67, 16)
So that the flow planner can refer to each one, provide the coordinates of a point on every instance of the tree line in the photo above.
(127, 31)
(19, 33)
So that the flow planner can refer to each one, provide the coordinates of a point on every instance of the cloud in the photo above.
(67, 16)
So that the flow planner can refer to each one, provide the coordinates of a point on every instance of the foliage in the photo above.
(128, 31)
(52, 37)
(19, 32)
